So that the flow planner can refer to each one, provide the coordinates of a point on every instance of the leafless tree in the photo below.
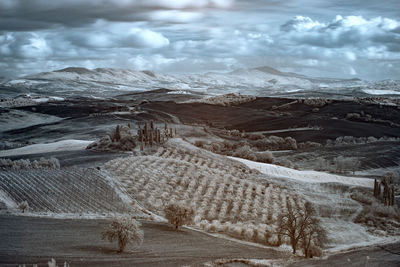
(125, 230)
(313, 235)
(300, 225)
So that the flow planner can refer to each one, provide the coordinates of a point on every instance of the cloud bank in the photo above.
(311, 37)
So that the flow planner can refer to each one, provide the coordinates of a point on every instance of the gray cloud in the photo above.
(201, 35)
(21, 15)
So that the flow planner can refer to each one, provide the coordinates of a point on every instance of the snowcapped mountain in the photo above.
(262, 81)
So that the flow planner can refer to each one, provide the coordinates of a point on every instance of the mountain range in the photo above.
(262, 81)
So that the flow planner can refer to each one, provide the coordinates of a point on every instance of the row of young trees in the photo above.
(224, 195)
(123, 139)
(299, 224)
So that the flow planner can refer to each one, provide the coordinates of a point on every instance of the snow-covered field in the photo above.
(305, 176)
(65, 145)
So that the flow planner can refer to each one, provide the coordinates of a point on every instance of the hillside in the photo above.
(262, 81)
(238, 201)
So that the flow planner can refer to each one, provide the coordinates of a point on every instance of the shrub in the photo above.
(199, 143)
(316, 102)
(179, 214)
(120, 139)
(125, 230)
(265, 157)
(23, 206)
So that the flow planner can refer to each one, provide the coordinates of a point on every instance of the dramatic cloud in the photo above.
(24, 45)
(306, 36)
(354, 31)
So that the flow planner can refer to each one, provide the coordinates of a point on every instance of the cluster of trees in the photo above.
(152, 135)
(339, 164)
(384, 190)
(227, 99)
(351, 140)
(24, 164)
(316, 102)
(120, 139)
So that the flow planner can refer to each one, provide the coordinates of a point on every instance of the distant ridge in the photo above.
(259, 81)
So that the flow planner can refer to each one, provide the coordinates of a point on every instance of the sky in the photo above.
(330, 38)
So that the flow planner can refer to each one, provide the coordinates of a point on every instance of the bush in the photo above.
(125, 230)
(199, 143)
(276, 143)
(265, 157)
(179, 214)
(316, 102)
(23, 206)
(24, 164)
(120, 139)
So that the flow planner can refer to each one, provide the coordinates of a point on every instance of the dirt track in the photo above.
(26, 240)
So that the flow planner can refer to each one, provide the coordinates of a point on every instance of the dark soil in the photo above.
(259, 116)
(388, 256)
(26, 240)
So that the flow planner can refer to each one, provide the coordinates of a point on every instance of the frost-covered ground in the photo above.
(331, 196)
(305, 176)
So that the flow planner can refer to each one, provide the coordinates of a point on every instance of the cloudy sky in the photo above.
(332, 38)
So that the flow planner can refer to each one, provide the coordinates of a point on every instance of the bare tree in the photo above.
(299, 224)
(179, 214)
(313, 235)
(125, 230)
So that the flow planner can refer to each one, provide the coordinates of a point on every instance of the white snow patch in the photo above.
(380, 92)
(179, 92)
(65, 145)
(305, 176)
(47, 99)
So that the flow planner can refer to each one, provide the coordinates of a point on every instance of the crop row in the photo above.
(225, 195)
(75, 190)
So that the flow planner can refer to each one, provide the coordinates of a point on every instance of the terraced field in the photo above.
(68, 190)
(228, 196)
